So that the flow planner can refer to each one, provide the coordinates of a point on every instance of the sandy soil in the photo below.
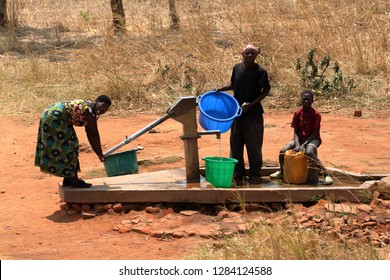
(32, 225)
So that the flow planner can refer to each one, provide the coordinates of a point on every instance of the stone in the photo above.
(138, 228)
(242, 228)
(117, 207)
(111, 212)
(233, 220)
(152, 210)
(341, 208)
(146, 230)
(76, 207)
(380, 220)
(371, 185)
(99, 207)
(385, 181)
(369, 224)
(337, 221)
(223, 214)
(302, 220)
(170, 217)
(366, 219)
(205, 233)
(88, 215)
(168, 211)
(188, 212)
(158, 233)
(233, 214)
(318, 219)
(364, 208)
(385, 239)
(64, 206)
(251, 207)
(178, 234)
(85, 207)
(385, 203)
(310, 224)
(71, 212)
(126, 208)
(124, 230)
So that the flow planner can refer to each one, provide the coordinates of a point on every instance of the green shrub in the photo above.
(315, 75)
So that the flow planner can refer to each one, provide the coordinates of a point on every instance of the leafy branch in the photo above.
(316, 76)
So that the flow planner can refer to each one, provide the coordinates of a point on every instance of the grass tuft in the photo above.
(282, 241)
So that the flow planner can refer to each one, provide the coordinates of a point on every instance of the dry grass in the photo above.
(282, 241)
(56, 50)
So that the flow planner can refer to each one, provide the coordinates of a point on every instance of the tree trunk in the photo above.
(118, 14)
(174, 17)
(3, 13)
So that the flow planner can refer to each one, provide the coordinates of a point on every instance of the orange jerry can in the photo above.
(295, 169)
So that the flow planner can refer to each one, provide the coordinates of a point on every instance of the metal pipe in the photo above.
(207, 132)
(138, 134)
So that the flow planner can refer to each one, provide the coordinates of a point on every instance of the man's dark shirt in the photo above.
(248, 84)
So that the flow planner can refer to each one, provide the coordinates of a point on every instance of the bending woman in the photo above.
(57, 148)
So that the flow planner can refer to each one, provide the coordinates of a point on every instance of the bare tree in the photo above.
(3, 13)
(118, 14)
(173, 14)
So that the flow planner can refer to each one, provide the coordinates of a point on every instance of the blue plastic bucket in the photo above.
(218, 110)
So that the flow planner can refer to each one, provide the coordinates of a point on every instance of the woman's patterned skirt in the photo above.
(57, 145)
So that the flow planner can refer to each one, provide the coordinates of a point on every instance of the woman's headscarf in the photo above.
(250, 47)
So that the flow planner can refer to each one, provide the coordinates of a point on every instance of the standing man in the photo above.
(250, 84)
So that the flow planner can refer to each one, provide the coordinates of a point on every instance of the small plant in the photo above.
(342, 214)
(318, 197)
(315, 75)
(85, 15)
(383, 191)
(166, 69)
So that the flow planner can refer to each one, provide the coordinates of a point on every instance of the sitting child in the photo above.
(306, 123)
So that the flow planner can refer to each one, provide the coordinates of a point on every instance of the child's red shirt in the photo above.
(306, 122)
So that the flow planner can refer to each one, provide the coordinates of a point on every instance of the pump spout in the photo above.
(208, 132)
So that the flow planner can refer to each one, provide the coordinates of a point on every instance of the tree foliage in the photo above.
(3, 13)
(118, 14)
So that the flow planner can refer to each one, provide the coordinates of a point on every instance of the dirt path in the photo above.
(34, 227)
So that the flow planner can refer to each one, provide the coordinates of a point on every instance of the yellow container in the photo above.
(295, 169)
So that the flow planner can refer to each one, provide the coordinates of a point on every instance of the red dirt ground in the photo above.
(32, 225)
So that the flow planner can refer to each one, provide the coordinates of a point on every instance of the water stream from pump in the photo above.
(220, 148)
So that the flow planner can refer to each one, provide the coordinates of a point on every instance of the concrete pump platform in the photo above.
(171, 186)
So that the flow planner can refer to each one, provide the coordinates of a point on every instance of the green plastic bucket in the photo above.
(121, 163)
(219, 171)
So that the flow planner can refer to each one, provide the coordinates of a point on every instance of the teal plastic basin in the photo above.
(121, 163)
